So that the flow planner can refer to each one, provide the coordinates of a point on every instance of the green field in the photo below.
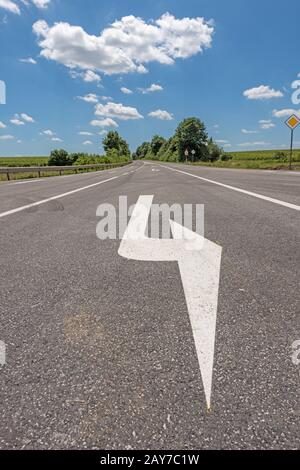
(27, 162)
(264, 155)
(261, 159)
(24, 161)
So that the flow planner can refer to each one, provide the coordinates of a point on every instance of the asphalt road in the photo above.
(99, 349)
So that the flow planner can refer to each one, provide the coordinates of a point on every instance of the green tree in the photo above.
(169, 150)
(191, 135)
(142, 150)
(113, 141)
(214, 151)
(60, 157)
(156, 143)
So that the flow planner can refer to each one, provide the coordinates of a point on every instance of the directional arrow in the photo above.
(199, 263)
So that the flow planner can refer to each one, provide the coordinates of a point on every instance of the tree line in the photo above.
(115, 147)
(190, 137)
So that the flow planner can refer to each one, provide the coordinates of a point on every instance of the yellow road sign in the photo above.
(293, 121)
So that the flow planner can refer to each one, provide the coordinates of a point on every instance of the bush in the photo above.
(59, 158)
(225, 157)
(214, 151)
(280, 156)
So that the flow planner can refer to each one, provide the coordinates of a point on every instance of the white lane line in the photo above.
(58, 196)
(199, 263)
(26, 182)
(239, 190)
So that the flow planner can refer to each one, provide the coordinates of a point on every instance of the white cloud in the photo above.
(89, 76)
(87, 142)
(17, 122)
(118, 111)
(90, 98)
(6, 137)
(127, 91)
(222, 142)
(26, 117)
(21, 119)
(266, 124)
(254, 144)
(48, 132)
(10, 6)
(282, 113)
(56, 139)
(103, 132)
(108, 122)
(125, 45)
(41, 3)
(28, 60)
(246, 131)
(85, 133)
(105, 98)
(161, 114)
(152, 88)
(262, 92)
(2, 125)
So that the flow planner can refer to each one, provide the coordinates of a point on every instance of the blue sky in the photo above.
(75, 69)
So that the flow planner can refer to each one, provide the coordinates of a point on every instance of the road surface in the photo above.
(100, 350)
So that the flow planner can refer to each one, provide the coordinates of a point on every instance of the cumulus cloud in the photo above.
(85, 133)
(127, 91)
(108, 122)
(21, 119)
(56, 139)
(246, 131)
(2, 125)
(28, 60)
(126, 45)
(282, 113)
(41, 3)
(17, 122)
(266, 124)
(161, 114)
(89, 76)
(262, 92)
(152, 88)
(90, 98)
(117, 111)
(48, 132)
(10, 6)
(87, 142)
(6, 137)
(254, 144)
(26, 117)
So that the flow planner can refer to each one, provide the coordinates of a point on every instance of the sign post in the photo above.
(292, 122)
(193, 153)
(186, 153)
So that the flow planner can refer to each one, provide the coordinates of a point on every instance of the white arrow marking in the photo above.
(199, 263)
